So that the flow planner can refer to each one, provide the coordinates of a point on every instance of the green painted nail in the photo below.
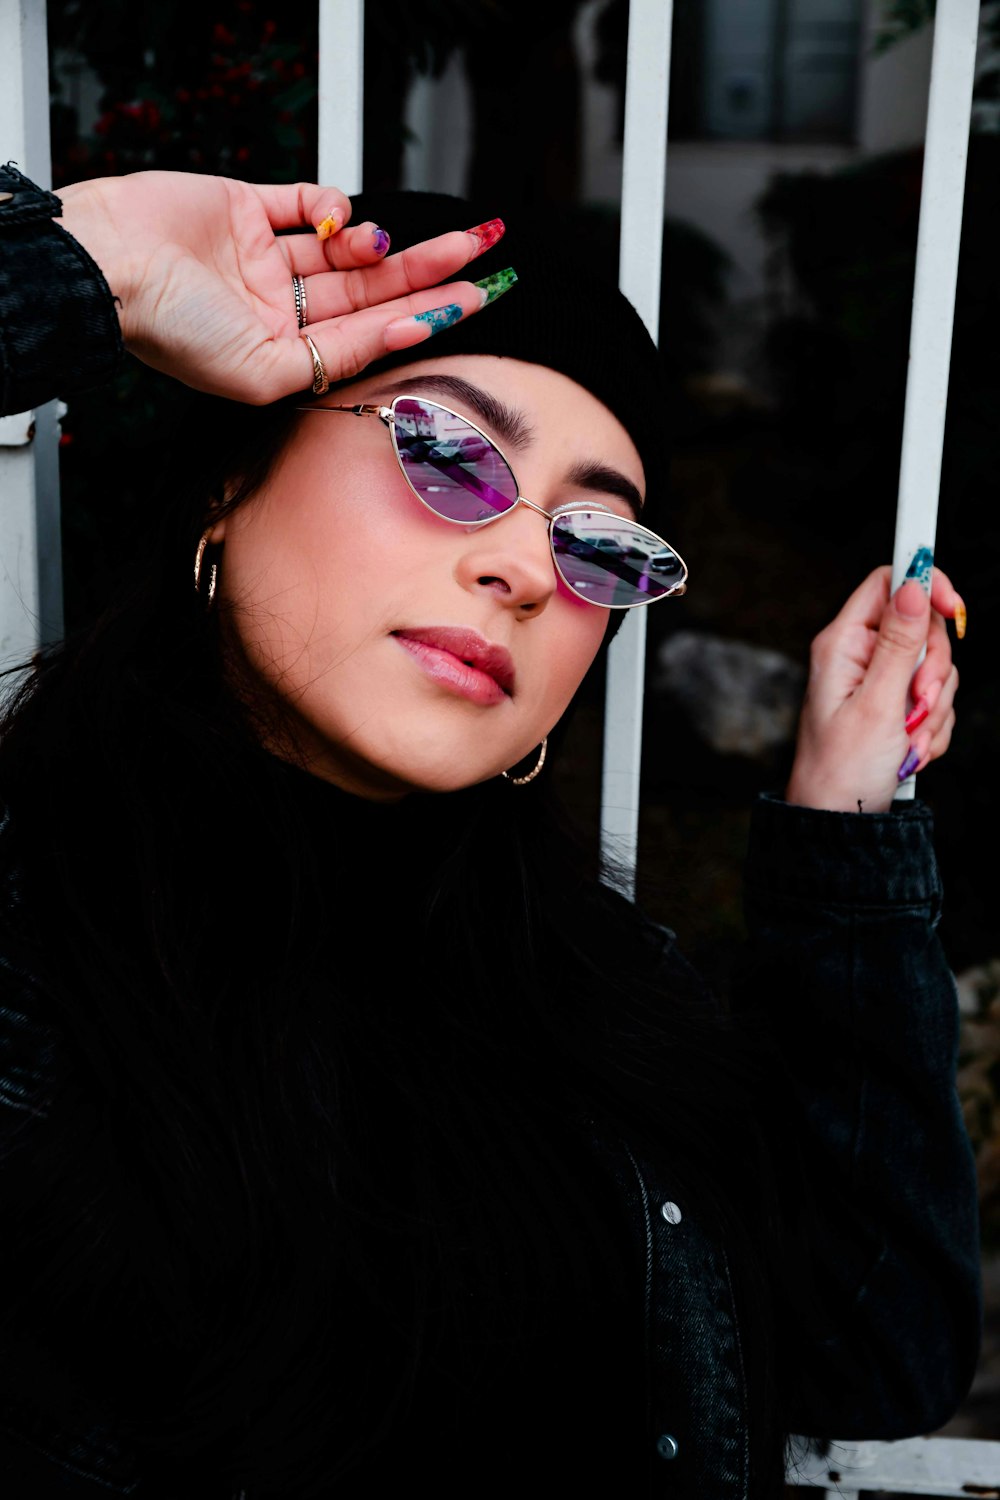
(494, 286)
(439, 318)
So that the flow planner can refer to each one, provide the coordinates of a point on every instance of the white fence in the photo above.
(30, 579)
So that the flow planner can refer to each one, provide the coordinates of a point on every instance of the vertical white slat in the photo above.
(341, 93)
(946, 145)
(30, 560)
(647, 89)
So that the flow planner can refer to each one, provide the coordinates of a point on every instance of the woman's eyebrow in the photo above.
(594, 476)
(510, 425)
(513, 428)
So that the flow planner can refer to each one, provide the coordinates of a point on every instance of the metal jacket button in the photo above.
(666, 1446)
(671, 1213)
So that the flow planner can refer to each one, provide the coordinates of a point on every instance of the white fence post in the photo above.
(942, 192)
(30, 558)
(647, 91)
(341, 93)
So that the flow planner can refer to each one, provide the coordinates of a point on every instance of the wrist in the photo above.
(87, 215)
(828, 796)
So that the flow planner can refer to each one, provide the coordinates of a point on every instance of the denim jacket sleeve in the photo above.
(842, 911)
(59, 328)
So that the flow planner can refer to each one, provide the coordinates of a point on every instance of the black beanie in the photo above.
(562, 313)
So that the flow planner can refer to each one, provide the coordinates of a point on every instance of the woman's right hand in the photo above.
(204, 285)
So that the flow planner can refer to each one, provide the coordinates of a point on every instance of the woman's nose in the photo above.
(512, 557)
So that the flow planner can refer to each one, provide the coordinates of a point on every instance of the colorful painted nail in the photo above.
(909, 765)
(921, 566)
(917, 715)
(961, 620)
(380, 240)
(438, 319)
(487, 234)
(329, 225)
(494, 286)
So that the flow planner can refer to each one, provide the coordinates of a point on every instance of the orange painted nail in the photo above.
(329, 225)
(961, 620)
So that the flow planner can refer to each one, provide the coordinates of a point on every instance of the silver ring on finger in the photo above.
(299, 288)
(321, 381)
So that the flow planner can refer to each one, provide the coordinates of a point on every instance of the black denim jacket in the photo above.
(842, 910)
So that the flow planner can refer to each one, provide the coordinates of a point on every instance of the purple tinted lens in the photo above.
(611, 561)
(452, 467)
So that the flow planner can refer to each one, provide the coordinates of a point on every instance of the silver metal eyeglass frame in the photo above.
(387, 415)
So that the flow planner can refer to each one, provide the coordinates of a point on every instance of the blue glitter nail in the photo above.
(920, 567)
(439, 318)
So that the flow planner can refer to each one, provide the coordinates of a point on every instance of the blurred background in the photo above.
(793, 191)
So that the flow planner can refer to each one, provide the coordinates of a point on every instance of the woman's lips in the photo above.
(461, 660)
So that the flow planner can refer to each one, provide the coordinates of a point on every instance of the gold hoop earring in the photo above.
(523, 780)
(213, 575)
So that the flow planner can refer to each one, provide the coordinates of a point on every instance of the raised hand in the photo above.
(205, 289)
(864, 726)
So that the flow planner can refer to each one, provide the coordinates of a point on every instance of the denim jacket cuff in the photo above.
(849, 859)
(59, 329)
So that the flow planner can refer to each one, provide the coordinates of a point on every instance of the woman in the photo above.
(362, 1137)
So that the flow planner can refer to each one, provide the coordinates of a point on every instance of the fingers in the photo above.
(363, 285)
(911, 623)
(293, 205)
(356, 245)
(932, 672)
(948, 602)
(347, 345)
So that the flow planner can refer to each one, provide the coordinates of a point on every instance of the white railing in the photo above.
(30, 558)
(29, 516)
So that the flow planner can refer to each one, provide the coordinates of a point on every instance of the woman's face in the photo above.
(342, 587)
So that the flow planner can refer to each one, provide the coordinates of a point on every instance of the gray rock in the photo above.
(740, 699)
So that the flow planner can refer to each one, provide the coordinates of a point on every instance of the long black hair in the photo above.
(249, 979)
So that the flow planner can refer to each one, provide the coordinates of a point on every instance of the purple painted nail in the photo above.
(380, 240)
(909, 765)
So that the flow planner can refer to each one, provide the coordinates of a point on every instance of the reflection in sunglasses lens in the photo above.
(610, 561)
(453, 468)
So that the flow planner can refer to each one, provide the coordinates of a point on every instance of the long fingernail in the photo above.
(437, 319)
(330, 225)
(961, 620)
(494, 286)
(380, 240)
(921, 566)
(917, 715)
(486, 234)
(909, 765)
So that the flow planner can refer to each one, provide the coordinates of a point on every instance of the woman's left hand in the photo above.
(862, 717)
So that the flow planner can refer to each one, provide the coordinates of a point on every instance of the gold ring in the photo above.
(321, 382)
